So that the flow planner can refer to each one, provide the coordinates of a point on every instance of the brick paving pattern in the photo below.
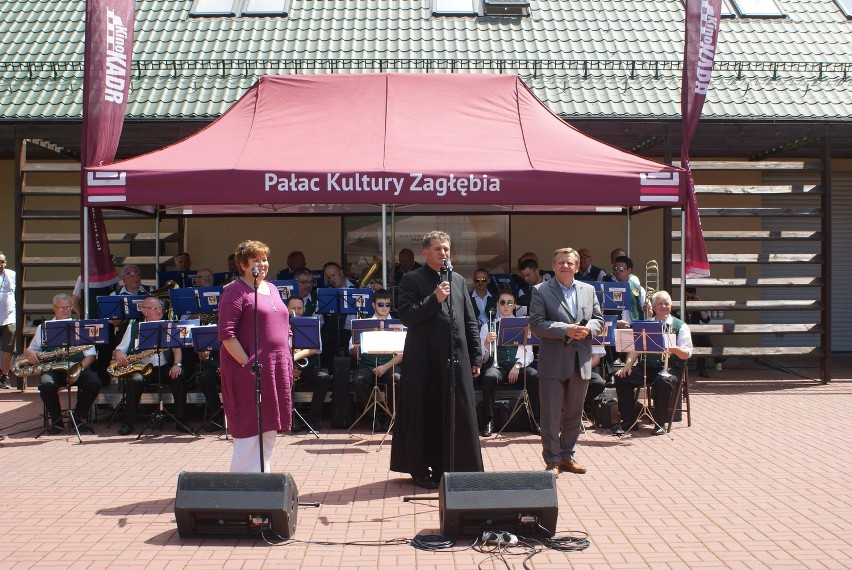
(761, 480)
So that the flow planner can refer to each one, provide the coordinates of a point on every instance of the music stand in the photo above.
(515, 331)
(184, 301)
(208, 301)
(286, 288)
(381, 342)
(160, 336)
(206, 339)
(120, 307)
(68, 333)
(648, 337)
(306, 335)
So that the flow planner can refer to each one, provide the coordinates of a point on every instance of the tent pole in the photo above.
(683, 262)
(157, 249)
(629, 220)
(84, 292)
(384, 246)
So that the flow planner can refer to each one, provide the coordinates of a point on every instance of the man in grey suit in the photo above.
(564, 314)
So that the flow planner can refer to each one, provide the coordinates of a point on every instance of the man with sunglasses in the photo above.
(484, 304)
(512, 365)
(622, 269)
(375, 366)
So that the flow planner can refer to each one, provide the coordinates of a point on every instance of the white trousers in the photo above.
(246, 458)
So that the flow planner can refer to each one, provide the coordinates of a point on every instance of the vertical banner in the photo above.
(699, 50)
(106, 83)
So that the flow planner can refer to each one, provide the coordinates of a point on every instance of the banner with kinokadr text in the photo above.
(106, 84)
(701, 33)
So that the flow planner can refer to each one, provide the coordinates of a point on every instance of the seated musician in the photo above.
(210, 383)
(166, 364)
(596, 383)
(88, 384)
(634, 371)
(204, 278)
(512, 363)
(372, 367)
(308, 378)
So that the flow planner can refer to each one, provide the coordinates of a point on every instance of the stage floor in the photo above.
(761, 480)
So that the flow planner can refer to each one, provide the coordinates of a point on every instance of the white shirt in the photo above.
(7, 297)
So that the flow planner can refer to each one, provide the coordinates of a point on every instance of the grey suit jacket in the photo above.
(549, 319)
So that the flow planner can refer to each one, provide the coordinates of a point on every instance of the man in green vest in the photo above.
(639, 366)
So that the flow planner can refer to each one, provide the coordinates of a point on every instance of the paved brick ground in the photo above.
(760, 480)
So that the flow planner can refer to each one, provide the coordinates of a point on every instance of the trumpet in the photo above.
(492, 328)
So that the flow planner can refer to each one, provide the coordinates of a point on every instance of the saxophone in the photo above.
(135, 364)
(50, 360)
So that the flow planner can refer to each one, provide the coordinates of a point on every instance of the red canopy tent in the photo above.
(349, 143)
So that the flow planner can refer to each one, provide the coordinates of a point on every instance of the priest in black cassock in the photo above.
(421, 434)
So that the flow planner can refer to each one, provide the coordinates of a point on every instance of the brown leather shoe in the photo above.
(553, 468)
(571, 466)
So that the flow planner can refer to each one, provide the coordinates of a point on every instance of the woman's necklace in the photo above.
(269, 297)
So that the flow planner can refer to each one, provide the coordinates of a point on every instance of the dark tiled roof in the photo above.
(583, 58)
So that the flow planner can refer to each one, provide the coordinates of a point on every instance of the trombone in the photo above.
(652, 285)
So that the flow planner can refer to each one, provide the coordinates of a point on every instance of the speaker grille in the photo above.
(235, 482)
(508, 481)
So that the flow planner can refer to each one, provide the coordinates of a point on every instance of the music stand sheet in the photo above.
(157, 335)
(120, 306)
(358, 301)
(306, 333)
(286, 288)
(183, 330)
(360, 326)
(206, 338)
(645, 336)
(208, 299)
(221, 278)
(607, 336)
(615, 295)
(383, 342)
(184, 301)
(504, 281)
(513, 330)
(329, 300)
(82, 332)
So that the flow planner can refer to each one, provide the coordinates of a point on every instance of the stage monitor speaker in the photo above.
(341, 397)
(520, 502)
(235, 505)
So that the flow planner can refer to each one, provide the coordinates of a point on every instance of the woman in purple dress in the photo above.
(236, 331)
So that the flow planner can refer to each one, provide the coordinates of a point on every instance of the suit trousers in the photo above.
(561, 415)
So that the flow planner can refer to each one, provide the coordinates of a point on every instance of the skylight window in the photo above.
(845, 7)
(758, 8)
(455, 7)
(225, 8)
(506, 7)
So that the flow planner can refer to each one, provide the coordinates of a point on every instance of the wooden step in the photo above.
(75, 215)
(809, 189)
(752, 282)
(28, 190)
(32, 237)
(51, 167)
(736, 328)
(759, 235)
(65, 284)
(755, 212)
(757, 351)
(70, 261)
(759, 258)
(755, 305)
(38, 308)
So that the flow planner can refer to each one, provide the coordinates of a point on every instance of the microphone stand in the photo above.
(452, 362)
(256, 367)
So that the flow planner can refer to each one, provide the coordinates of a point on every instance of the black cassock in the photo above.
(421, 433)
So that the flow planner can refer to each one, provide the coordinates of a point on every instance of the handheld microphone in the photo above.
(255, 271)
